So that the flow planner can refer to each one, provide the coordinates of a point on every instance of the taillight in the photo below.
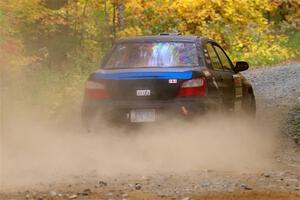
(193, 87)
(95, 90)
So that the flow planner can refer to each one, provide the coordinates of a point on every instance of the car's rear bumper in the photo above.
(120, 110)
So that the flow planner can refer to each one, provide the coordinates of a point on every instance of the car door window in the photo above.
(224, 59)
(215, 62)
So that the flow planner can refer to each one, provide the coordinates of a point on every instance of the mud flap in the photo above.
(238, 94)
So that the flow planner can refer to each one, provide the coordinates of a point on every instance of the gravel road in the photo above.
(277, 89)
(278, 85)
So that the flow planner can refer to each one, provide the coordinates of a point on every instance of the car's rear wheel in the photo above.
(93, 120)
(249, 104)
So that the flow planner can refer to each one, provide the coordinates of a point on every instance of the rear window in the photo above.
(157, 54)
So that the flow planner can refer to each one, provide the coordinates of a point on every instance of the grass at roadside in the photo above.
(294, 43)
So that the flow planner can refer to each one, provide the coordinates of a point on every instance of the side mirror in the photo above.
(241, 66)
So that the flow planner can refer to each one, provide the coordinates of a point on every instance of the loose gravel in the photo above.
(278, 85)
(293, 124)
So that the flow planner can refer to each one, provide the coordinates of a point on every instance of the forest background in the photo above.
(49, 47)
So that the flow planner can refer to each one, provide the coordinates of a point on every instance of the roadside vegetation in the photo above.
(298, 121)
(48, 47)
(293, 123)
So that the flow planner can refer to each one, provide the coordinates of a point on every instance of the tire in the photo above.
(93, 120)
(249, 105)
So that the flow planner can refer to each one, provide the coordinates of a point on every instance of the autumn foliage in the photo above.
(55, 30)
(58, 42)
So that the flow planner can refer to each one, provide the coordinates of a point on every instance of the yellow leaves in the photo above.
(265, 50)
(237, 25)
(151, 17)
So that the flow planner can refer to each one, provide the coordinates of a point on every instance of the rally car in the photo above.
(143, 79)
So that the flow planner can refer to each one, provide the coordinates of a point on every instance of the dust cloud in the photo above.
(36, 151)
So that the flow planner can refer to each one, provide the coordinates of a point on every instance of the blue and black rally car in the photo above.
(145, 78)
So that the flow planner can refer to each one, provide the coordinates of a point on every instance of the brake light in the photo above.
(95, 90)
(193, 87)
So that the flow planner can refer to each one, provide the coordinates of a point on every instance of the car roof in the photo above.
(159, 38)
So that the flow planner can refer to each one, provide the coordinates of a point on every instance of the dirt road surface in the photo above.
(219, 157)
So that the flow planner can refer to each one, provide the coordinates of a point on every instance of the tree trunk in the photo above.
(105, 11)
(114, 21)
(121, 15)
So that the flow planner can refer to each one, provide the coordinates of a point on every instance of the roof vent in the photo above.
(177, 33)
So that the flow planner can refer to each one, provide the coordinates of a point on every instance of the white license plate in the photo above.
(145, 115)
